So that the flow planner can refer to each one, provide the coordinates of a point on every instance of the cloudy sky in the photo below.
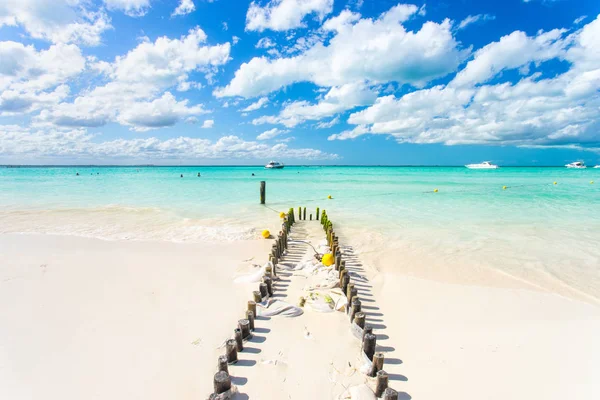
(300, 81)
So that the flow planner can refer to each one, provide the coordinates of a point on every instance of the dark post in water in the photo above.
(263, 190)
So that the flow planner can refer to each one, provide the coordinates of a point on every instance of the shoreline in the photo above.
(93, 310)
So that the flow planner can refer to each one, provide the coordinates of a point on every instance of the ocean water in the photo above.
(534, 230)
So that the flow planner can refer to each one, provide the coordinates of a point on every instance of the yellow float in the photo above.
(282, 215)
(266, 234)
(327, 260)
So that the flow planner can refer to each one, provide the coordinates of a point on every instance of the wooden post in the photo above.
(252, 306)
(310, 217)
(222, 382)
(345, 281)
(353, 293)
(317, 214)
(222, 364)
(263, 191)
(382, 383)
(299, 213)
(244, 326)
(343, 268)
(269, 282)
(264, 292)
(250, 318)
(356, 304)
(369, 342)
(359, 319)
(349, 290)
(239, 341)
(257, 298)
(231, 351)
(304, 215)
(338, 261)
(390, 394)
(377, 364)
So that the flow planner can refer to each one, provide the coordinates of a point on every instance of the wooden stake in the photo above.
(299, 213)
(250, 318)
(345, 282)
(310, 217)
(239, 341)
(222, 364)
(264, 292)
(269, 284)
(382, 383)
(359, 319)
(304, 215)
(231, 351)
(369, 342)
(222, 382)
(377, 364)
(338, 261)
(252, 306)
(317, 214)
(263, 191)
(348, 290)
(390, 394)
(244, 326)
(257, 298)
(356, 304)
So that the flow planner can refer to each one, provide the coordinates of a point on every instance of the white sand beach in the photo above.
(85, 318)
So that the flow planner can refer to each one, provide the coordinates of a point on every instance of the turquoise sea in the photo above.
(545, 233)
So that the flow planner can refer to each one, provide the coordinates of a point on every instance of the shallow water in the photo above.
(545, 234)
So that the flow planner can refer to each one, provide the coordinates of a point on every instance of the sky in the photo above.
(227, 82)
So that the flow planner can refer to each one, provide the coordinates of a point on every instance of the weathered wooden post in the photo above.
(377, 364)
(257, 298)
(317, 214)
(369, 342)
(264, 292)
(222, 382)
(231, 351)
(304, 214)
(299, 213)
(269, 282)
(359, 319)
(349, 290)
(356, 305)
(263, 192)
(239, 341)
(250, 318)
(390, 394)
(222, 364)
(345, 281)
(244, 326)
(338, 261)
(382, 383)
(310, 217)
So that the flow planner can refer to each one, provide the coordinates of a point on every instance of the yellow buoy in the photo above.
(266, 234)
(282, 215)
(504, 187)
(555, 183)
(329, 197)
(435, 190)
(327, 260)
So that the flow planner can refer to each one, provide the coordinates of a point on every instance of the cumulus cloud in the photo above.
(271, 133)
(58, 21)
(580, 19)
(78, 143)
(338, 99)
(281, 15)
(187, 6)
(512, 51)
(265, 43)
(260, 103)
(133, 8)
(377, 50)
(135, 92)
(209, 123)
(554, 111)
(471, 19)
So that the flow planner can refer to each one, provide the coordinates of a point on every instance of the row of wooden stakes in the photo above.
(357, 316)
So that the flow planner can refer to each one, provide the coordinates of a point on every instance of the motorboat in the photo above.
(576, 164)
(597, 166)
(483, 165)
(274, 165)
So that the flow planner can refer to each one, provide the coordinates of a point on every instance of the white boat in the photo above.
(274, 165)
(597, 166)
(576, 164)
(483, 165)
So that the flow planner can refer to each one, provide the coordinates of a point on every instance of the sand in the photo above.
(91, 319)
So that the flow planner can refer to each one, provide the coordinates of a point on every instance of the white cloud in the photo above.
(225, 26)
(271, 133)
(512, 51)
(282, 15)
(471, 19)
(235, 40)
(377, 50)
(580, 19)
(58, 21)
(265, 43)
(139, 79)
(555, 111)
(133, 8)
(185, 7)
(329, 124)
(338, 99)
(209, 123)
(79, 144)
(260, 103)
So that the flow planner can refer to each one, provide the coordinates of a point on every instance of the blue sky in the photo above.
(300, 81)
